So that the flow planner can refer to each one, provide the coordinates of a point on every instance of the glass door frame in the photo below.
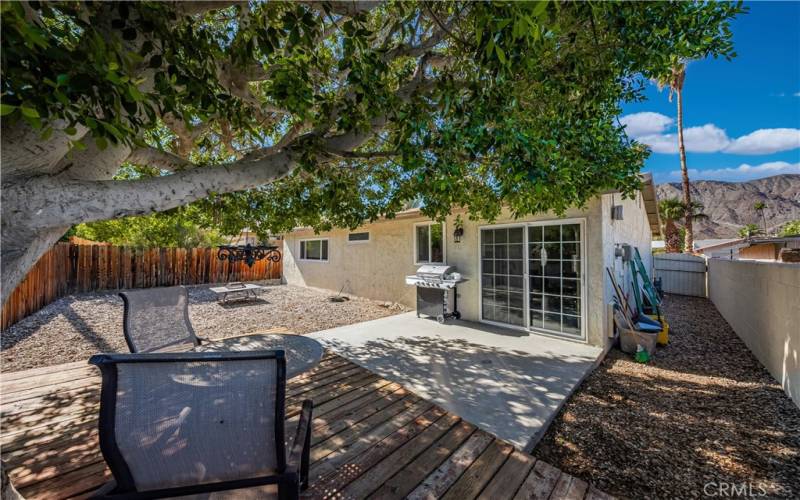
(581, 221)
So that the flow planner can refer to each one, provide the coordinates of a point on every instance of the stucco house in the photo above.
(766, 249)
(567, 296)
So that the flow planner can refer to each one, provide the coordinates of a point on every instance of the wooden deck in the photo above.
(371, 438)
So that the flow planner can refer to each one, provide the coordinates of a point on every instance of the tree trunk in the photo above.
(672, 237)
(688, 246)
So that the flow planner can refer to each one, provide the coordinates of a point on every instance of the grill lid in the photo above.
(435, 271)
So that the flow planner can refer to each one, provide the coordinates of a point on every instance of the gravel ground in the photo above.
(703, 412)
(77, 326)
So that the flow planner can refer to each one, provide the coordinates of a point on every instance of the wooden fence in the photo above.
(68, 268)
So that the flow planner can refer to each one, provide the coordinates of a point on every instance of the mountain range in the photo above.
(729, 205)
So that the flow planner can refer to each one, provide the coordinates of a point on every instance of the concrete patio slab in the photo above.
(509, 383)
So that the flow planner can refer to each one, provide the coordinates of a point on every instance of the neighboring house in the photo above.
(243, 238)
(567, 297)
(764, 249)
(719, 248)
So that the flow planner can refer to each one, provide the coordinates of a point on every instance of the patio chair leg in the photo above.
(305, 460)
(288, 491)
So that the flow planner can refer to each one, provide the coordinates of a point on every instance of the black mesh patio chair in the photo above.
(157, 320)
(209, 425)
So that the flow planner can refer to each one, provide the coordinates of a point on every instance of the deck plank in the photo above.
(539, 483)
(403, 482)
(356, 464)
(370, 436)
(478, 475)
(509, 478)
(440, 480)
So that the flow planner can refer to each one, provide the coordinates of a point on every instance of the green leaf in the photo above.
(7, 109)
(539, 8)
(500, 54)
(35, 123)
(62, 79)
(29, 112)
(101, 142)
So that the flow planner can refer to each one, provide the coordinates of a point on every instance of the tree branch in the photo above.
(347, 8)
(192, 8)
(367, 155)
(163, 160)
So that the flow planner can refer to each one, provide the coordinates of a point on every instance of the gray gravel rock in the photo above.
(77, 326)
(703, 412)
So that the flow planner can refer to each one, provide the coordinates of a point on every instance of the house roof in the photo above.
(706, 245)
(773, 239)
(712, 242)
(648, 195)
(744, 242)
(651, 203)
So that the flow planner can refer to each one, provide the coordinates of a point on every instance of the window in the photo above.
(429, 243)
(314, 250)
(358, 237)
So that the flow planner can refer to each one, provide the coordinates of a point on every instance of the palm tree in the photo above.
(673, 210)
(675, 83)
(670, 211)
(759, 207)
(749, 230)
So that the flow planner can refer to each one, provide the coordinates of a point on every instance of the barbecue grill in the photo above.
(434, 286)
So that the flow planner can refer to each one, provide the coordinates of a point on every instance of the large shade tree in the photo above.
(274, 114)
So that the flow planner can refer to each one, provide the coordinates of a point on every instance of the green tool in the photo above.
(652, 295)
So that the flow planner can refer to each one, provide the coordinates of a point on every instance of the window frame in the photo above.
(358, 242)
(584, 291)
(300, 256)
(444, 244)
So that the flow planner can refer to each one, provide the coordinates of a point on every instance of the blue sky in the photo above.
(741, 118)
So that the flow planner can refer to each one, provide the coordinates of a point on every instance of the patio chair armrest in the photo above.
(299, 448)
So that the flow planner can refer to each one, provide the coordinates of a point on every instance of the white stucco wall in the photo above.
(377, 269)
(761, 302)
(633, 229)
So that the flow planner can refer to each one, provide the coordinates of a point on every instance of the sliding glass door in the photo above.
(503, 275)
(549, 276)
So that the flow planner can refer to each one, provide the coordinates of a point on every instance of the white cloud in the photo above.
(766, 141)
(797, 94)
(657, 131)
(645, 123)
(743, 172)
(705, 139)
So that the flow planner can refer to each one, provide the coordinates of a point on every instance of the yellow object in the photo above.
(663, 335)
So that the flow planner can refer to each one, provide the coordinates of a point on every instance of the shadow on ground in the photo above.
(509, 392)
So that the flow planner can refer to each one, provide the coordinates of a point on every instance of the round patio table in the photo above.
(302, 353)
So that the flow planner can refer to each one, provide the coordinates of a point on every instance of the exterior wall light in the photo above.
(457, 234)
(459, 231)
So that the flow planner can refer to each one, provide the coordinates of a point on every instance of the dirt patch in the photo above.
(703, 413)
(77, 326)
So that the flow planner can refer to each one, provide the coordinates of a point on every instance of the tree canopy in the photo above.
(791, 228)
(276, 114)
